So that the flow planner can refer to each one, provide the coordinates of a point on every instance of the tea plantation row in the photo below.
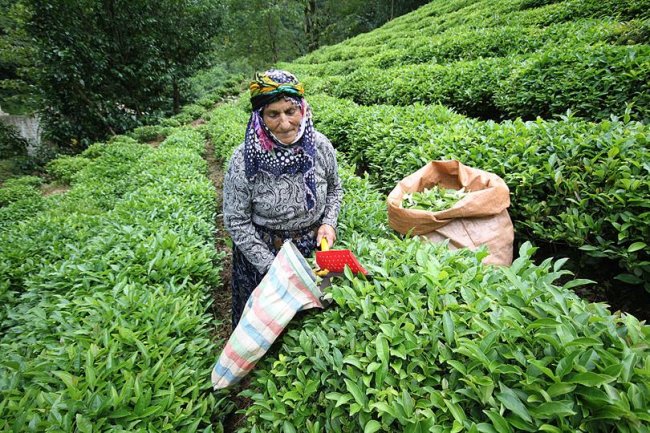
(489, 61)
(574, 182)
(105, 323)
(435, 341)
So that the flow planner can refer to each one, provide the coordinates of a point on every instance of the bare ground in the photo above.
(222, 295)
(54, 188)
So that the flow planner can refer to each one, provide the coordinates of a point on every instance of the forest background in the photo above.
(96, 68)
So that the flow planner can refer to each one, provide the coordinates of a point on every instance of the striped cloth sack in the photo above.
(288, 287)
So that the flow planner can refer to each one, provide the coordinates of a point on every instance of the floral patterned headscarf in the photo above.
(262, 150)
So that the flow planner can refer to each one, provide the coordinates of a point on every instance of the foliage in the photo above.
(148, 133)
(17, 91)
(64, 168)
(566, 177)
(437, 342)
(11, 143)
(433, 199)
(107, 67)
(107, 329)
(593, 82)
(20, 199)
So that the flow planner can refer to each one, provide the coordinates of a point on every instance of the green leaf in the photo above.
(68, 379)
(83, 424)
(512, 402)
(348, 273)
(636, 246)
(552, 409)
(577, 282)
(560, 389)
(628, 278)
(287, 427)
(356, 392)
(498, 421)
(448, 327)
(456, 411)
(382, 349)
(372, 426)
(590, 379)
(382, 407)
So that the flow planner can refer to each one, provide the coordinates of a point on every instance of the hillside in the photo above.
(106, 288)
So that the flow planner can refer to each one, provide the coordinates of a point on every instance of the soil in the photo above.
(221, 305)
(54, 188)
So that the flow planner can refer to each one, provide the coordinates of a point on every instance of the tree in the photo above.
(107, 66)
(18, 94)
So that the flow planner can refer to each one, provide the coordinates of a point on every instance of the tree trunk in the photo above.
(311, 30)
(177, 96)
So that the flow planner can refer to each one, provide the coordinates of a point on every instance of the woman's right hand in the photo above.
(326, 231)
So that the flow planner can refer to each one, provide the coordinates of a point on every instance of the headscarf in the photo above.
(262, 150)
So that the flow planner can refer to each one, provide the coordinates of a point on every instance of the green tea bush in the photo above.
(593, 82)
(227, 127)
(18, 188)
(622, 10)
(437, 342)
(20, 199)
(466, 86)
(188, 114)
(104, 321)
(149, 133)
(64, 168)
(469, 42)
(574, 182)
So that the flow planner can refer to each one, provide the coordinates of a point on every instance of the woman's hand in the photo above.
(326, 231)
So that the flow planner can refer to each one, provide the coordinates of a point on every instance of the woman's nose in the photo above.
(285, 121)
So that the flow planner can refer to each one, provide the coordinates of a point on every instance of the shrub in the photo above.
(593, 82)
(145, 134)
(437, 342)
(65, 168)
(110, 331)
(566, 176)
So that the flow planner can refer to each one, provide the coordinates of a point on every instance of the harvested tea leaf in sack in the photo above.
(433, 199)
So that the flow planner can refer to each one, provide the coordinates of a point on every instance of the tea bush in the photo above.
(593, 82)
(566, 177)
(149, 133)
(20, 199)
(436, 342)
(104, 321)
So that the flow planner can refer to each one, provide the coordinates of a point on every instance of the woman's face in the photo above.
(283, 119)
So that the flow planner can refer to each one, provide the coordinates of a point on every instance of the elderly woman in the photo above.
(282, 183)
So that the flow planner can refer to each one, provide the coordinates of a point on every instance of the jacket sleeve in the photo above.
(334, 188)
(237, 209)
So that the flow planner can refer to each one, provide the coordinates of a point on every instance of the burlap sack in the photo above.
(479, 218)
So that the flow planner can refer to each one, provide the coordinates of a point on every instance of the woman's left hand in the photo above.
(328, 232)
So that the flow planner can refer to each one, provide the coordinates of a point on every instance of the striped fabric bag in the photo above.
(288, 287)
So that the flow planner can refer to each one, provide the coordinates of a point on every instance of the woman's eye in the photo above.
(291, 112)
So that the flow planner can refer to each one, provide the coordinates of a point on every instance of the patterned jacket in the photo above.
(278, 203)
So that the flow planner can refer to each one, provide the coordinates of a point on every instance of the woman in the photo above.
(282, 183)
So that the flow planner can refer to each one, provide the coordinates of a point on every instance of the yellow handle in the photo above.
(324, 245)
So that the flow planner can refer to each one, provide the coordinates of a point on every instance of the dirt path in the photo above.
(222, 296)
